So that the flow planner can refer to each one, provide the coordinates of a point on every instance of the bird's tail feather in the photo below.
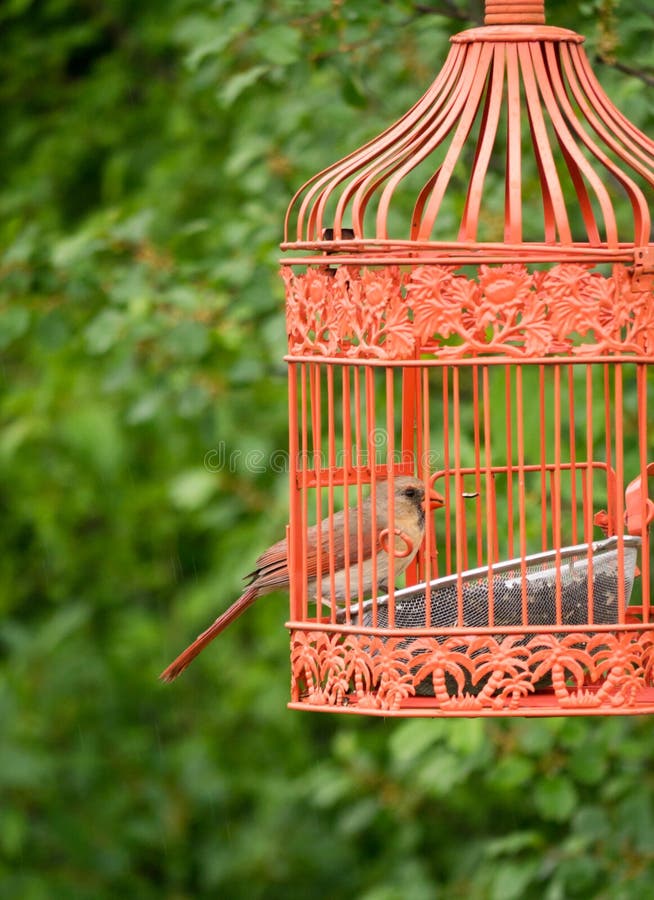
(187, 656)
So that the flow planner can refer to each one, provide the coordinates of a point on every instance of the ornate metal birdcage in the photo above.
(498, 352)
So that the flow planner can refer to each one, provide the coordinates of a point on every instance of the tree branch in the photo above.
(644, 76)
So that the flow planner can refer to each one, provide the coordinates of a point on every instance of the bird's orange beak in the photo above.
(434, 500)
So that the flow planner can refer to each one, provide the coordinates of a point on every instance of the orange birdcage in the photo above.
(498, 352)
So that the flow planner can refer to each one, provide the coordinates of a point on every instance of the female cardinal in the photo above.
(271, 568)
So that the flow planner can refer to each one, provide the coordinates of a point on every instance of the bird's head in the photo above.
(410, 496)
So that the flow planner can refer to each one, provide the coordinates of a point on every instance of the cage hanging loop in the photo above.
(384, 543)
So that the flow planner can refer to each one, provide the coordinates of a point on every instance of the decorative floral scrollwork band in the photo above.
(389, 313)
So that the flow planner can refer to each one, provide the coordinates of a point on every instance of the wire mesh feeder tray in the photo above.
(507, 595)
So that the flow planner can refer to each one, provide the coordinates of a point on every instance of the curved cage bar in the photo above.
(496, 349)
(509, 100)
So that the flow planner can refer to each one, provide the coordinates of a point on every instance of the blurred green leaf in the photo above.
(280, 44)
(555, 797)
(193, 488)
(188, 340)
(512, 880)
(233, 88)
(104, 331)
(14, 322)
(411, 739)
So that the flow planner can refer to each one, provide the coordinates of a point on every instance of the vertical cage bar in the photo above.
(490, 495)
(331, 463)
(411, 440)
(431, 559)
(295, 500)
(305, 400)
(641, 387)
(460, 527)
(522, 515)
(619, 485)
(608, 434)
(315, 376)
(477, 419)
(573, 455)
(447, 469)
(509, 458)
(369, 376)
(411, 431)
(556, 493)
(588, 489)
(390, 459)
(358, 406)
(543, 457)
(347, 472)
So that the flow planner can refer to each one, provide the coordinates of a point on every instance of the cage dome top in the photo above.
(514, 151)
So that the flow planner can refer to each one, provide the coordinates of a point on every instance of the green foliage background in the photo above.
(148, 153)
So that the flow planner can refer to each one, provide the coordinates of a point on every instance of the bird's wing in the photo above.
(271, 568)
(332, 543)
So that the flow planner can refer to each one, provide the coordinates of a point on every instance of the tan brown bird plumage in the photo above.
(271, 568)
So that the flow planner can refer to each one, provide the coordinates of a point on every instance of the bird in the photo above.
(271, 571)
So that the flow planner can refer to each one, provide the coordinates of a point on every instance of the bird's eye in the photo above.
(410, 492)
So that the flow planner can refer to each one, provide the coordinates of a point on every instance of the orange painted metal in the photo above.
(498, 351)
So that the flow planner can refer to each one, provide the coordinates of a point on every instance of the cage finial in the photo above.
(515, 12)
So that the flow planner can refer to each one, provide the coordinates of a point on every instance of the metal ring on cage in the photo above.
(384, 542)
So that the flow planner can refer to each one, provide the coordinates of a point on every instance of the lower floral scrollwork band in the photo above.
(583, 671)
